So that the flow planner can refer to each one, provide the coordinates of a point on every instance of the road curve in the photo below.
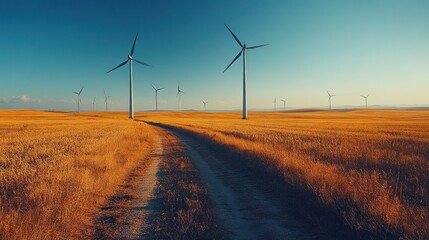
(244, 210)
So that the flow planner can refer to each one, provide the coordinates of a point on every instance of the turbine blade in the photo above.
(142, 63)
(75, 92)
(80, 91)
(328, 93)
(235, 37)
(134, 45)
(153, 88)
(236, 57)
(160, 89)
(257, 46)
(120, 65)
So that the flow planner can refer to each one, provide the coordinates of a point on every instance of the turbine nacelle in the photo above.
(130, 57)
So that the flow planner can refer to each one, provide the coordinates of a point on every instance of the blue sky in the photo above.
(50, 48)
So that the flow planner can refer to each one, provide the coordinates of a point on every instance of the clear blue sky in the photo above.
(50, 48)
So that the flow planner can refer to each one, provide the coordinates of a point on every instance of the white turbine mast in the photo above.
(243, 50)
(205, 104)
(156, 96)
(179, 94)
(78, 101)
(106, 98)
(130, 59)
(330, 96)
(284, 103)
(366, 100)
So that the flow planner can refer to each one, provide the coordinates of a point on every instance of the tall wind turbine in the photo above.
(93, 104)
(284, 103)
(366, 100)
(78, 98)
(275, 103)
(330, 96)
(130, 59)
(243, 50)
(179, 94)
(156, 97)
(106, 98)
(205, 105)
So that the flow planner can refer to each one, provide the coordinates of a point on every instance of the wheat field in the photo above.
(371, 167)
(57, 169)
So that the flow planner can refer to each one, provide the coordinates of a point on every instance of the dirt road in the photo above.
(241, 208)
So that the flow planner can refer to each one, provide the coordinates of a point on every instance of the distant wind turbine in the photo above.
(93, 104)
(330, 96)
(275, 103)
(179, 94)
(243, 50)
(156, 97)
(205, 105)
(106, 98)
(366, 100)
(130, 59)
(78, 98)
(284, 103)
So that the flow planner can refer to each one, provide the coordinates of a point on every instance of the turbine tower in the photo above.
(284, 103)
(179, 94)
(275, 104)
(78, 98)
(243, 50)
(330, 96)
(93, 104)
(205, 105)
(156, 97)
(366, 100)
(130, 59)
(106, 98)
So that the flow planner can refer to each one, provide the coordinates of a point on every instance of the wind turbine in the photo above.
(205, 105)
(156, 97)
(330, 96)
(275, 103)
(243, 50)
(366, 100)
(284, 103)
(78, 98)
(179, 94)
(93, 104)
(130, 59)
(106, 98)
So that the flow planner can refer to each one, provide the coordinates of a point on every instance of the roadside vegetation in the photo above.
(368, 167)
(57, 169)
(184, 201)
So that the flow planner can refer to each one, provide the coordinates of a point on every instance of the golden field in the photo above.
(57, 169)
(370, 167)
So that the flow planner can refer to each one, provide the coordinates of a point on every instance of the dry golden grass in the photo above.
(184, 201)
(56, 169)
(371, 167)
